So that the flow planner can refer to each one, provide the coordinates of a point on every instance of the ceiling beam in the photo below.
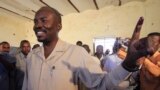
(95, 3)
(15, 13)
(120, 3)
(47, 5)
(44, 3)
(73, 6)
(33, 11)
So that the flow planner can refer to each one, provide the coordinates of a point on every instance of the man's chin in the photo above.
(40, 40)
(43, 41)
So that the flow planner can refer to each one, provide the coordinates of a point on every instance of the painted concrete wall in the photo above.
(14, 28)
(111, 21)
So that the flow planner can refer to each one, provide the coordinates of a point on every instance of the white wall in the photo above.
(110, 21)
(14, 28)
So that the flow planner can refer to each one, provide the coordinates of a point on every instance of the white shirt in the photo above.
(21, 61)
(56, 72)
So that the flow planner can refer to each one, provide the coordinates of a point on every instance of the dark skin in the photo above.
(99, 51)
(46, 27)
(6, 48)
(25, 48)
(133, 52)
(138, 48)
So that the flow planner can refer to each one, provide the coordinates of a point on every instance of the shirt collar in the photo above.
(22, 55)
(60, 48)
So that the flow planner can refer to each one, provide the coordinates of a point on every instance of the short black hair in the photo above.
(55, 12)
(86, 47)
(5, 42)
(35, 46)
(154, 34)
(79, 42)
(22, 42)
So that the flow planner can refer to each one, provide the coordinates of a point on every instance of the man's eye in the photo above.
(43, 20)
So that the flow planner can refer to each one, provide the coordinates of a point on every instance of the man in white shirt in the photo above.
(21, 63)
(54, 65)
(99, 52)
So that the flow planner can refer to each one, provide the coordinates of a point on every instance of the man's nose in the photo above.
(38, 25)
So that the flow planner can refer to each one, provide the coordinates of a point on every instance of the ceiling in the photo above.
(27, 8)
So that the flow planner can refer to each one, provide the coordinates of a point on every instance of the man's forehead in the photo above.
(5, 44)
(44, 11)
(26, 43)
(154, 36)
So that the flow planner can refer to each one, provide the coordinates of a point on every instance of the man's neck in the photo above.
(49, 47)
(25, 55)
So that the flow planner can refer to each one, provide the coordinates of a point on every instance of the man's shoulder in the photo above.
(8, 57)
(111, 56)
(18, 54)
(72, 46)
(35, 51)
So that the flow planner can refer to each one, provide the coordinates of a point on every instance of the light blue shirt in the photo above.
(111, 62)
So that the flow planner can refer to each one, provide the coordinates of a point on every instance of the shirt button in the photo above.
(53, 67)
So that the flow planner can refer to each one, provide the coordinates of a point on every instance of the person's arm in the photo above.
(111, 80)
(152, 68)
(130, 63)
(109, 64)
(134, 52)
(8, 66)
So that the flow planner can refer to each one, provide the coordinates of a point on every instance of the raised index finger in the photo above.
(136, 33)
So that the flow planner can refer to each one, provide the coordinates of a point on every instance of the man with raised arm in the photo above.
(56, 65)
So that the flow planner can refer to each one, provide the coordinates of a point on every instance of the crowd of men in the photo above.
(13, 66)
(58, 65)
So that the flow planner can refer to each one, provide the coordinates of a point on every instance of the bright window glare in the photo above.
(106, 42)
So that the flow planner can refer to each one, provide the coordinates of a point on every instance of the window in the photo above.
(106, 42)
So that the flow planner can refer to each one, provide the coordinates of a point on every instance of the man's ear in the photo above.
(59, 27)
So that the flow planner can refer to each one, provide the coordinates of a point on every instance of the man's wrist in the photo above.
(129, 68)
